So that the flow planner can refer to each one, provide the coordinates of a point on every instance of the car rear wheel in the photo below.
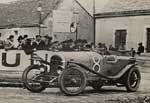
(132, 80)
(72, 81)
(30, 78)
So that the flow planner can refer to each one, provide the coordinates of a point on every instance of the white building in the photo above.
(22, 18)
(124, 22)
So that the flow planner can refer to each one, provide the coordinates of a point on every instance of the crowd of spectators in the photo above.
(47, 43)
(39, 43)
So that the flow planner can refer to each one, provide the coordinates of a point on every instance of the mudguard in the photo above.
(119, 75)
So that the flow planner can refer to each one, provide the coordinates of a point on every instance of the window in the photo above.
(120, 38)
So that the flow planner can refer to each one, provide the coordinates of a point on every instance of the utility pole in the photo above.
(94, 23)
(39, 9)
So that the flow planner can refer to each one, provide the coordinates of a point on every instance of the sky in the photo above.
(88, 4)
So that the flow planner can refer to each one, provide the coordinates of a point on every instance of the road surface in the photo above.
(106, 95)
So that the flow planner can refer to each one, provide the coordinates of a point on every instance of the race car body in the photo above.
(73, 71)
(108, 65)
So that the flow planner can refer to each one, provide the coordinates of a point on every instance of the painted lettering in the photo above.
(4, 60)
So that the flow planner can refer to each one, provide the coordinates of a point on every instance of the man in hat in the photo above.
(38, 44)
(140, 49)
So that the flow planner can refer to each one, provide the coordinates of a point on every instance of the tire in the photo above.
(36, 87)
(70, 79)
(132, 80)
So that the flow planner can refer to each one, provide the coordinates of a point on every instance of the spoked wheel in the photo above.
(72, 81)
(31, 77)
(133, 79)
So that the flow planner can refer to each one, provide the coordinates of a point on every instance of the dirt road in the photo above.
(106, 95)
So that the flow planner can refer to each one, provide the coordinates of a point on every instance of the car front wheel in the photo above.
(132, 79)
(30, 78)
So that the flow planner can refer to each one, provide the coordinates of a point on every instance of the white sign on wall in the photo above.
(14, 62)
(17, 60)
(62, 20)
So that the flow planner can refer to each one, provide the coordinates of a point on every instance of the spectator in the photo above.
(1, 44)
(55, 46)
(9, 43)
(102, 49)
(38, 44)
(84, 42)
(122, 46)
(100, 45)
(140, 49)
(27, 47)
(88, 47)
(104, 46)
(111, 47)
(20, 41)
(78, 45)
(67, 45)
(25, 37)
(48, 41)
(132, 52)
(92, 45)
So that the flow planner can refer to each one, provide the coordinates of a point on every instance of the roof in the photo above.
(24, 12)
(125, 8)
(126, 5)
(77, 1)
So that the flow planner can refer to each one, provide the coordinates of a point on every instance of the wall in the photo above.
(48, 23)
(135, 26)
(85, 26)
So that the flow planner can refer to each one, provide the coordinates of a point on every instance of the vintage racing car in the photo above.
(73, 71)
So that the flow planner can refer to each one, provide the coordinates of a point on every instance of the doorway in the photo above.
(120, 38)
(148, 39)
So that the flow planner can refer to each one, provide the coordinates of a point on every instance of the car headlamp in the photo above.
(42, 70)
(59, 70)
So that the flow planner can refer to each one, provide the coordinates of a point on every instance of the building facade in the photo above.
(25, 19)
(82, 18)
(124, 22)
